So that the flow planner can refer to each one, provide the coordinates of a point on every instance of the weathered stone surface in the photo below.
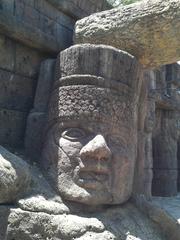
(7, 58)
(164, 212)
(12, 125)
(165, 135)
(164, 182)
(16, 91)
(14, 177)
(80, 8)
(145, 122)
(98, 60)
(37, 117)
(27, 61)
(4, 214)
(45, 25)
(92, 164)
(149, 30)
(115, 223)
(34, 134)
(44, 86)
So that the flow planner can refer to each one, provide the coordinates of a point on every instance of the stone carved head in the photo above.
(90, 145)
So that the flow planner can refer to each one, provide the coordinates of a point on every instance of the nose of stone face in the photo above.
(96, 149)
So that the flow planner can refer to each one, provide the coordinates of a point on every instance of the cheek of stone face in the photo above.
(122, 175)
(69, 159)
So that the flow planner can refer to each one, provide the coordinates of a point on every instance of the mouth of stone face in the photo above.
(94, 180)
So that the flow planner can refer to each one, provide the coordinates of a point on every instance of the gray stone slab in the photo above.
(80, 8)
(4, 214)
(7, 56)
(34, 134)
(28, 34)
(164, 183)
(12, 126)
(27, 60)
(16, 91)
(45, 82)
(164, 212)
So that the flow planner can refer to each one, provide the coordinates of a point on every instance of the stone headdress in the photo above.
(94, 82)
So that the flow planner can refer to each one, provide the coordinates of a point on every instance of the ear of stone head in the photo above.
(100, 61)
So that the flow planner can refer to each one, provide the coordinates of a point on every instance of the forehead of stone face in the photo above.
(98, 60)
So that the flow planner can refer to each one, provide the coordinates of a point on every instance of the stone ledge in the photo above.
(80, 9)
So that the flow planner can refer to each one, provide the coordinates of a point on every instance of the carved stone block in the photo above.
(91, 136)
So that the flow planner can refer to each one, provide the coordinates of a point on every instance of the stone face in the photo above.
(94, 163)
(152, 36)
(14, 177)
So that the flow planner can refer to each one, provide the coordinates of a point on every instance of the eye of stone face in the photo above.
(73, 134)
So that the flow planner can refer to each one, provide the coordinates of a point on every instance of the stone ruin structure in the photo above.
(95, 150)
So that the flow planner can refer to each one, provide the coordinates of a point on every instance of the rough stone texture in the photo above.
(46, 25)
(81, 8)
(37, 25)
(12, 126)
(4, 214)
(146, 118)
(164, 212)
(165, 154)
(42, 214)
(93, 164)
(104, 226)
(34, 134)
(16, 91)
(37, 118)
(149, 30)
(31, 31)
(44, 86)
(178, 164)
(157, 167)
(24, 185)
(18, 72)
(14, 177)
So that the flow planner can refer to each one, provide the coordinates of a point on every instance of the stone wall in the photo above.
(19, 66)
(31, 31)
(157, 169)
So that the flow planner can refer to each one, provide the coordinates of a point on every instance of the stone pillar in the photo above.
(146, 119)
(178, 160)
(165, 154)
(37, 117)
